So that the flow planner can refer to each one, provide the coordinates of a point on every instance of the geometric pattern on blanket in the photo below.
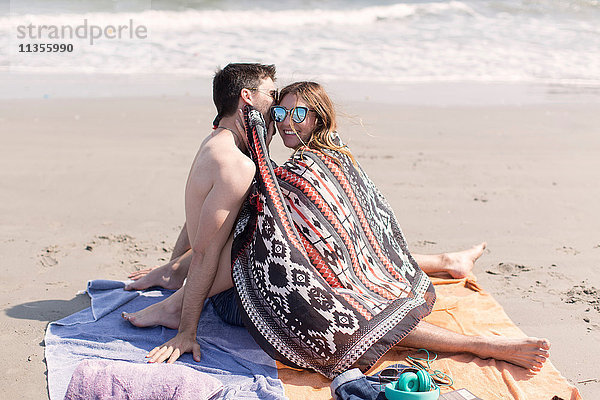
(320, 265)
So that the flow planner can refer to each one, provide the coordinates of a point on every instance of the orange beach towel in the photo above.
(461, 306)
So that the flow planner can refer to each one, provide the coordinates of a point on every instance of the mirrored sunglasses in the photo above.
(298, 114)
(391, 374)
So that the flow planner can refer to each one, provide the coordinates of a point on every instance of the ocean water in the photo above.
(552, 41)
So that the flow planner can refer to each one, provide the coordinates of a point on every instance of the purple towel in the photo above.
(100, 379)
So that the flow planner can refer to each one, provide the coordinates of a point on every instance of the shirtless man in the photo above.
(218, 183)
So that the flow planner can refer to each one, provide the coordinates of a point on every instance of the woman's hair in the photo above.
(317, 99)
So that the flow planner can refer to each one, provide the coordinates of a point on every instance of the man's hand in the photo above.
(174, 348)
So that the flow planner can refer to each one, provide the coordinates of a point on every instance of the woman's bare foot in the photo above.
(169, 276)
(529, 353)
(460, 263)
(166, 313)
(135, 275)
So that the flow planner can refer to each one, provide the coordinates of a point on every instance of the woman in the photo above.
(336, 255)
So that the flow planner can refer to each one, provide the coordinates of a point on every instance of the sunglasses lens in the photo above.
(388, 373)
(298, 114)
(278, 114)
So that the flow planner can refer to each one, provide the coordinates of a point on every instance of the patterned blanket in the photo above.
(321, 268)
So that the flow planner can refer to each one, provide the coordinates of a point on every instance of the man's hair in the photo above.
(229, 82)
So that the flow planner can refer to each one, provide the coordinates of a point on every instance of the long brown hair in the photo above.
(317, 99)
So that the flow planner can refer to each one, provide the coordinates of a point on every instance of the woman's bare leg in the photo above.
(529, 353)
(458, 264)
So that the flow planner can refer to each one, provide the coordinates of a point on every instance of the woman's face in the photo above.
(304, 129)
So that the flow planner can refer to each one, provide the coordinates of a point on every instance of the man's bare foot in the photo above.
(529, 353)
(166, 313)
(169, 276)
(460, 263)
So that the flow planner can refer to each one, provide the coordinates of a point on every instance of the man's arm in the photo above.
(217, 217)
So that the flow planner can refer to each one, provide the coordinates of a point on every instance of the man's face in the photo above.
(262, 100)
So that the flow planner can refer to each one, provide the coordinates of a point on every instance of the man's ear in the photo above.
(246, 97)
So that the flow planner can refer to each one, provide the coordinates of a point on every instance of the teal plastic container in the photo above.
(392, 393)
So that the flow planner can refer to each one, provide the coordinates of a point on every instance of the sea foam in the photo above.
(446, 41)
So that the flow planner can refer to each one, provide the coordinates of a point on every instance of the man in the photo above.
(218, 182)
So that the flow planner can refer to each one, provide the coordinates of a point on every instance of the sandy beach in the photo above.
(93, 177)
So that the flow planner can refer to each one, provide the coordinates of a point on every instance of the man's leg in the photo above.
(168, 312)
(182, 244)
(457, 264)
(529, 353)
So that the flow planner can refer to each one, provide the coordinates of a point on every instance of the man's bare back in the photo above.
(217, 185)
(219, 170)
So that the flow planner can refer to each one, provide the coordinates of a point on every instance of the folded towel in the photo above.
(102, 379)
(229, 353)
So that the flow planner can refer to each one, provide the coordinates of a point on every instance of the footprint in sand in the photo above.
(425, 243)
(558, 275)
(583, 294)
(508, 269)
(48, 256)
(131, 251)
(129, 243)
(568, 250)
(116, 238)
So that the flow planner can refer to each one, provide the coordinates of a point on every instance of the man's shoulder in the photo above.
(236, 165)
(227, 154)
(233, 173)
(225, 158)
(219, 147)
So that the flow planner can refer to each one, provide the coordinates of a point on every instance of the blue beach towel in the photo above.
(99, 333)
